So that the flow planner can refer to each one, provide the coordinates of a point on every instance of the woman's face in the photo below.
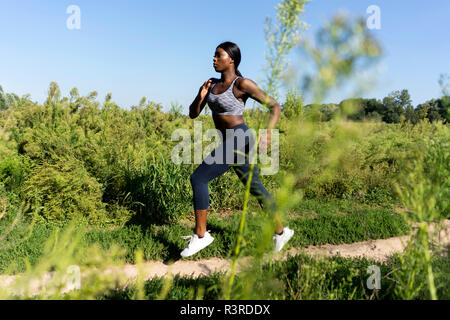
(221, 60)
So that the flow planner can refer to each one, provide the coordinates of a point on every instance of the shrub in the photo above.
(64, 190)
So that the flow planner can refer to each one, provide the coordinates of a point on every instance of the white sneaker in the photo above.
(281, 240)
(196, 244)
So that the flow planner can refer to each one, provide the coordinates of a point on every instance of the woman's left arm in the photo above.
(251, 88)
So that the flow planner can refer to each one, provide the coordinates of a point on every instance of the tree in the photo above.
(411, 115)
(445, 108)
(375, 109)
(7, 99)
(396, 104)
(434, 110)
(422, 110)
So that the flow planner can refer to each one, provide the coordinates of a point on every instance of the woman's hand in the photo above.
(205, 88)
(264, 140)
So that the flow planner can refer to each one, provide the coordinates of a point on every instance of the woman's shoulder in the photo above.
(239, 79)
(245, 80)
(242, 82)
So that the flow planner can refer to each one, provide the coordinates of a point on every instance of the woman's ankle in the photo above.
(279, 231)
(200, 233)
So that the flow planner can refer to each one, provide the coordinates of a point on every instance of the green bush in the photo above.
(63, 191)
(14, 171)
(368, 167)
(124, 158)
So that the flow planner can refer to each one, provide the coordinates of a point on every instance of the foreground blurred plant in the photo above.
(424, 187)
(280, 40)
(68, 269)
(344, 48)
(343, 44)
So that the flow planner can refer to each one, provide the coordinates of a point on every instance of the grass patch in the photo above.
(300, 277)
(315, 223)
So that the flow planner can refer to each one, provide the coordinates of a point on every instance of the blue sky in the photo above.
(163, 49)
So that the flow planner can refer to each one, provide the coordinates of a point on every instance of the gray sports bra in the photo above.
(225, 103)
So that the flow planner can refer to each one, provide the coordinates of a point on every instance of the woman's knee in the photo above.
(195, 178)
(199, 177)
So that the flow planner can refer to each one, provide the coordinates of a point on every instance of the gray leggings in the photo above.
(206, 172)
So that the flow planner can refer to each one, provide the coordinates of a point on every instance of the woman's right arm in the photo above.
(200, 101)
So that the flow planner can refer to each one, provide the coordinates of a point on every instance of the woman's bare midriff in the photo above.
(223, 122)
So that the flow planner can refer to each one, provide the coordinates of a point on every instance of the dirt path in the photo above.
(379, 250)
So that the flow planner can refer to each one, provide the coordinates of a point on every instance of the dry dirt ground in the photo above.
(379, 250)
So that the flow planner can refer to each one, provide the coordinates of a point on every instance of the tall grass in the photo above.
(425, 188)
(95, 165)
(52, 277)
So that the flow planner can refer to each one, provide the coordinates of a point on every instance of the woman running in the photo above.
(226, 98)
